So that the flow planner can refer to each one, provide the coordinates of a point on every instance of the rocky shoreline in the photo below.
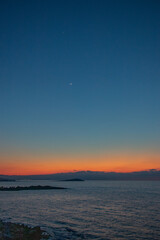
(15, 231)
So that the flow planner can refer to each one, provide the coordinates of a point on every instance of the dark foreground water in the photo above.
(87, 210)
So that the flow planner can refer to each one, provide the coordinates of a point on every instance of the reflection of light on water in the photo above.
(87, 209)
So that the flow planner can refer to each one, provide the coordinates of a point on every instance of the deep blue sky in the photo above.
(108, 50)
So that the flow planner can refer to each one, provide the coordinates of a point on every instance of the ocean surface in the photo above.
(87, 210)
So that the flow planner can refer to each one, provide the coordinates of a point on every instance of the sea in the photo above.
(87, 210)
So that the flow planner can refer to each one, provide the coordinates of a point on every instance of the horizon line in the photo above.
(84, 171)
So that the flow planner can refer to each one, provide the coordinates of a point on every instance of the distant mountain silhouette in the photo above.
(152, 174)
(6, 180)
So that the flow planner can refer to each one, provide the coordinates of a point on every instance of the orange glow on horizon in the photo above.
(22, 164)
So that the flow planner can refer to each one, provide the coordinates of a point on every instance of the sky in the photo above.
(79, 86)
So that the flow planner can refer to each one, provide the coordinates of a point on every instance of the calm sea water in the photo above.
(87, 210)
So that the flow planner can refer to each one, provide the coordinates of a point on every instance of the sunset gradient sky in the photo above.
(79, 86)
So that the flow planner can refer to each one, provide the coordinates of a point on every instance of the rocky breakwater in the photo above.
(18, 188)
(14, 231)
